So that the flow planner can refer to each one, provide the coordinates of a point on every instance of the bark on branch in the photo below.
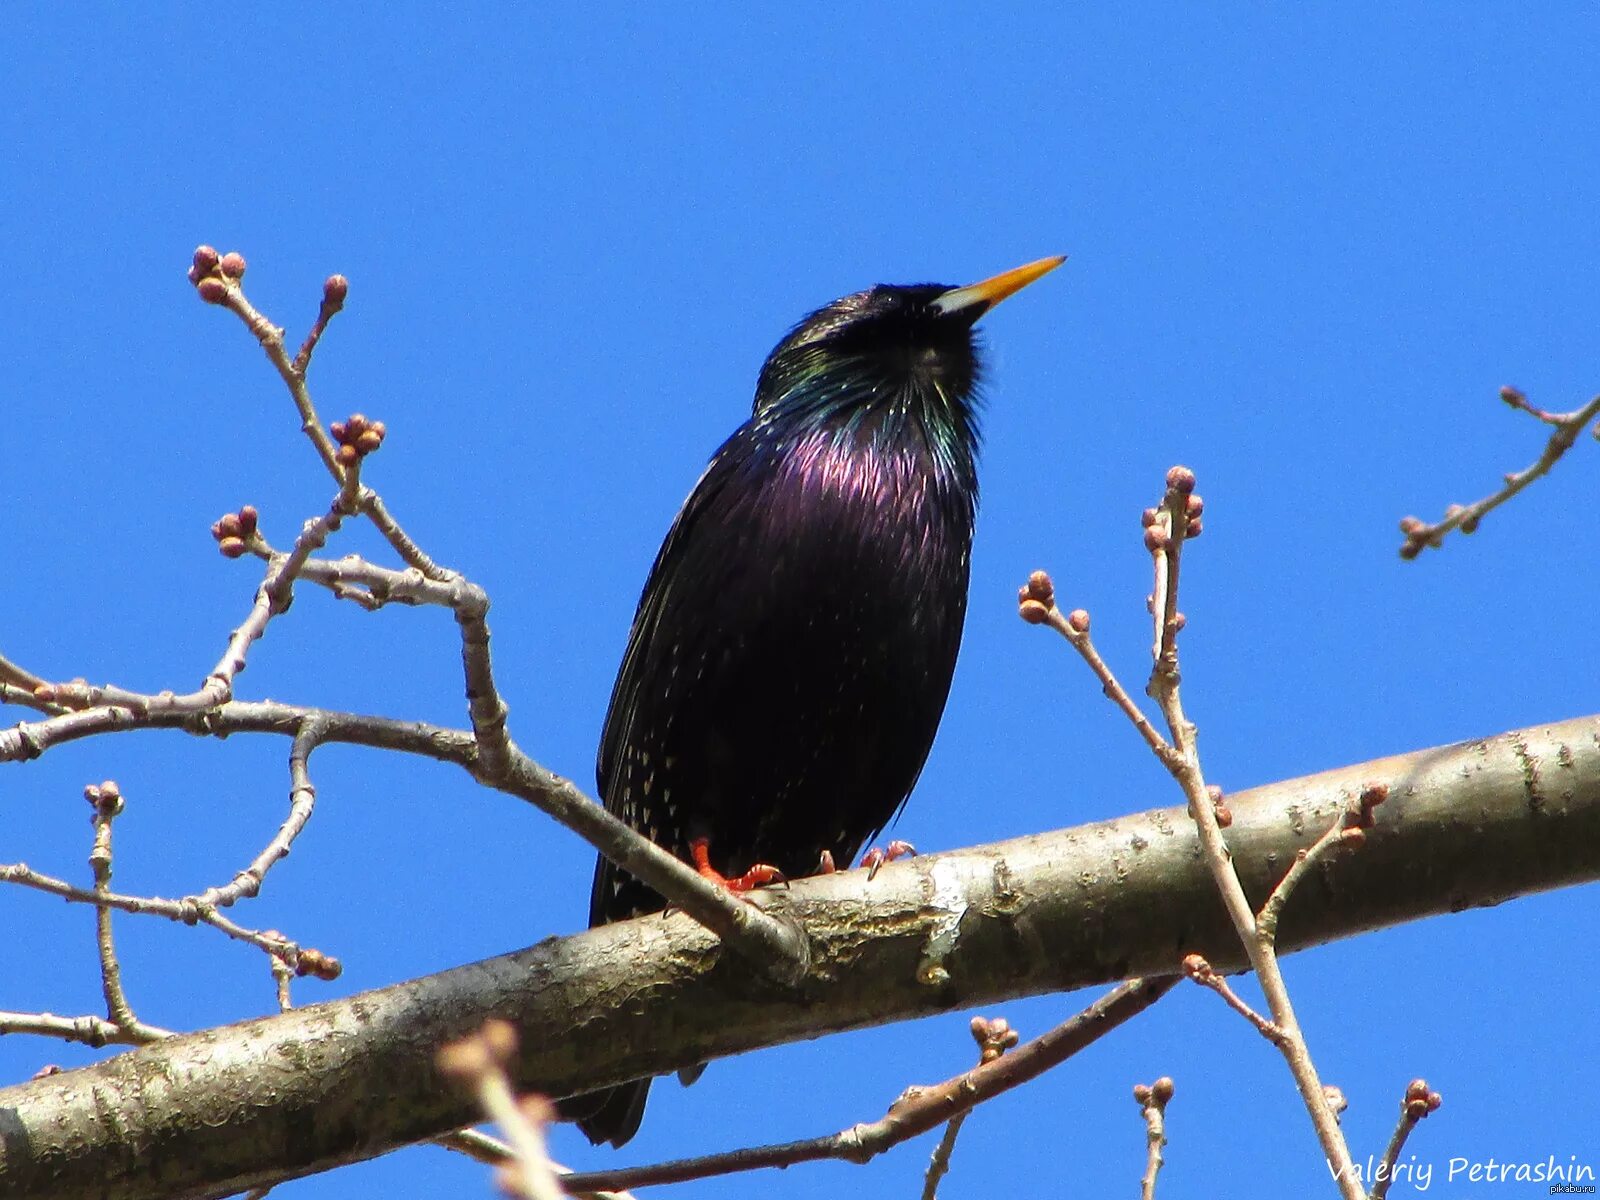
(226, 1109)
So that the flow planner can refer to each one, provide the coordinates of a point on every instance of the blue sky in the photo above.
(1306, 247)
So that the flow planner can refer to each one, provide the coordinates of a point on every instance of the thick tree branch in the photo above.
(226, 1109)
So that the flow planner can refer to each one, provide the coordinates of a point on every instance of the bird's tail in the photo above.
(608, 1114)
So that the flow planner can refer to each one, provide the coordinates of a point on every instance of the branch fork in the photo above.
(1167, 528)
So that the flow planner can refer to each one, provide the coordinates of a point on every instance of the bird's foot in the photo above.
(758, 875)
(872, 859)
(877, 856)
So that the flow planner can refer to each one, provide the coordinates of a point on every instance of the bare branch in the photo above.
(334, 291)
(1036, 604)
(18, 677)
(218, 280)
(1418, 1102)
(106, 800)
(29, 698)
(777, 948)
(90, 1030)
(1173, 524)
(917, 1110)
(1349, 832)
(1045, 913)
(1167, 527)
(491, 1151)
(1420, 535)
(187, 911)
(994, 1038)
(98, 709)
(1198, 969)
(478, 1063)
(1152, 1099)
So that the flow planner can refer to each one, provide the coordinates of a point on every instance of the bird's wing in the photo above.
(688, 573)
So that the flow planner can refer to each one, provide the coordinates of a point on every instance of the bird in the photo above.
(793, 647)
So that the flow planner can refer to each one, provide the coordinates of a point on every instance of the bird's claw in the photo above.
(758, 875)
(878, 855)
(872, 859)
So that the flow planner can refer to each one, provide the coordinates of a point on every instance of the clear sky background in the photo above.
(1307, 246)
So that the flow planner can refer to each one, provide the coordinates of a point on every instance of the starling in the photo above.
(793, 647)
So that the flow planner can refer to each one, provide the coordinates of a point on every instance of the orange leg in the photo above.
(757, 876)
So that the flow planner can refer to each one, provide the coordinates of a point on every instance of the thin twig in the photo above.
(491, 1151)
(27, 698)
(334, 291)
(994, 1038)
(1165, 534)
(28, 740)
(1348, 832)
(779, 947)
(1417, 1103)
(107, 801)
(1036, 603)
(302, 800)
(939, 1162)
(18, 677)
(1152, 1100)
(479, 1064)
(1420, 535)
(220, 284)
(915, 1112)
(90, 1030)
(193, 909)
(373, 508)
(1167, 528)
(187, 911)
(282, 981)
(93, 705)
(1198, 969)
(367, 584)
(476, 1145)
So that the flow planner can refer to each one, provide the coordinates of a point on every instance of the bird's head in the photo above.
(889, 345)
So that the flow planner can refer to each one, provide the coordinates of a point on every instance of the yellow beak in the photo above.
(984, 296)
